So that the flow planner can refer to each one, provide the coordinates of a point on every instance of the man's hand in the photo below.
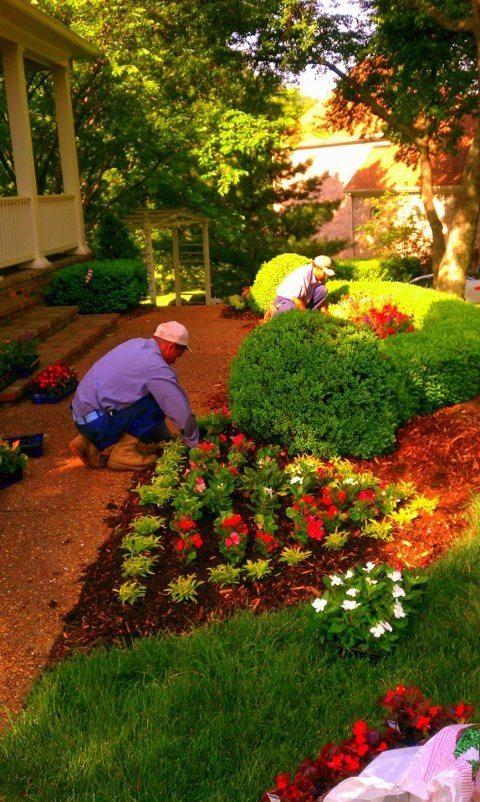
(299, 304)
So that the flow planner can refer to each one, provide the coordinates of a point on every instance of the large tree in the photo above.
(414, 64)
(173, 114)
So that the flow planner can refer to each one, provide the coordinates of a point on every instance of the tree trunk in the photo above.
(427, 195)
(463, 228)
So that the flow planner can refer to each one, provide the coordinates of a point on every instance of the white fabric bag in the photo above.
(428, 773)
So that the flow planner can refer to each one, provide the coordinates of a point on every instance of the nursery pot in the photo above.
(21, 371)
(7, 479)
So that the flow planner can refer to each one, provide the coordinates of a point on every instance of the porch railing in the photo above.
(16, 240)
(58, 231)
(57, 224)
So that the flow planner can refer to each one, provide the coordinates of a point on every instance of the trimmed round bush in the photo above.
(269, 277)
(316, 384)
(114, 286)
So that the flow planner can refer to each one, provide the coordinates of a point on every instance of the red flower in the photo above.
(422, 722)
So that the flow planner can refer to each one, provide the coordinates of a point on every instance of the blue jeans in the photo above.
(317, 300)
(143, 419)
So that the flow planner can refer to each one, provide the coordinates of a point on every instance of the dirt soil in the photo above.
(59, 547)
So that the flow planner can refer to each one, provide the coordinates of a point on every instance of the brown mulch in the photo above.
(59, 556)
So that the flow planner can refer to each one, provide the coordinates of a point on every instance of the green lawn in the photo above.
(214, 716)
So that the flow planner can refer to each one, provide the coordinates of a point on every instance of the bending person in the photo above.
(304, 288)
(124, 398)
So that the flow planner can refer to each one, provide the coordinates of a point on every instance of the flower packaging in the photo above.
(411, 719)
(53, 384)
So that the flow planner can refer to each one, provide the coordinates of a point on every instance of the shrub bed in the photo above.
(99, 286)
(317, 383)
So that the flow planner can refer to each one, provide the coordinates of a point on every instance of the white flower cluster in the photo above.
(381, 627)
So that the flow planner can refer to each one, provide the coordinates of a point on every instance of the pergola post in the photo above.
(206, 264)
(176, 266)
(17, 105)
(147, 233)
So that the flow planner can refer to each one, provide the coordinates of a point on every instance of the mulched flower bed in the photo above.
(438, 453)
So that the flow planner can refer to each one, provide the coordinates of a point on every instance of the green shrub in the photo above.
(316, 384)
(394, 268)
(113, 240)
(269, 277)
(316, 387)
(113, 286)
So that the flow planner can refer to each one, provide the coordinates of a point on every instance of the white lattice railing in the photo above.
(16, 240)
(58, 230)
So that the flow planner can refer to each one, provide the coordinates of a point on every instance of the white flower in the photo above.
(386, 625)
(350, 481)
(349, 574)
(378, 630)
(371, 581)
(395, 576)
(397, 591)
(398, 610)
(319, 605)
(269, 490)
(296, 480)
(352, 592)
(369, 567)
(349, 605)
(335, 580)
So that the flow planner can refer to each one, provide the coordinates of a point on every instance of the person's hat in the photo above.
(173, 332)
(325, 263)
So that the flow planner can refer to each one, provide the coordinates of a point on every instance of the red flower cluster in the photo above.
(189, 541)
(385, 321)
(55, 379)
(266, 541)
(407, 711)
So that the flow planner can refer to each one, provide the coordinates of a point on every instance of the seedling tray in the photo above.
(30, 444)
(51, 398)
(7, 479)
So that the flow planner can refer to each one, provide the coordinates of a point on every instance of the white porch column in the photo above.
(176, 266)
(17, 106)
(68, 150)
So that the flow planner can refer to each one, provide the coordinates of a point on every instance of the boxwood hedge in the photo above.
(113, 286)
(315, 383)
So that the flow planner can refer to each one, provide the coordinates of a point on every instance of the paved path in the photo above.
(51, 523)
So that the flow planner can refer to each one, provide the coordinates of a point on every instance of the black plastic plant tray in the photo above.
(30, 444)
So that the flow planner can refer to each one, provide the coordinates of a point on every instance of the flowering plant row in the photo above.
(239, 502)
(56, 380)
(411, 718)
(366, 607)
(380, 315)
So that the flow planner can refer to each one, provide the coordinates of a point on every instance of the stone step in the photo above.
(63, 346)
(39, 321)
(11, 308)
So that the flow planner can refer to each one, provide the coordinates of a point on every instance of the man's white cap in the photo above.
(325, 263)
(173, 332)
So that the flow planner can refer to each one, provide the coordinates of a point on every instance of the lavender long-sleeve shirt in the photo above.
(300, 283)
(129, 372)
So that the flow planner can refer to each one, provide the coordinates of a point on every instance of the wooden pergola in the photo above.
(173, 219)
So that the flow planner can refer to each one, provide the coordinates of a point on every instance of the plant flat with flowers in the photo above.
(411, 718)
(11, 457)
(53, 383)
